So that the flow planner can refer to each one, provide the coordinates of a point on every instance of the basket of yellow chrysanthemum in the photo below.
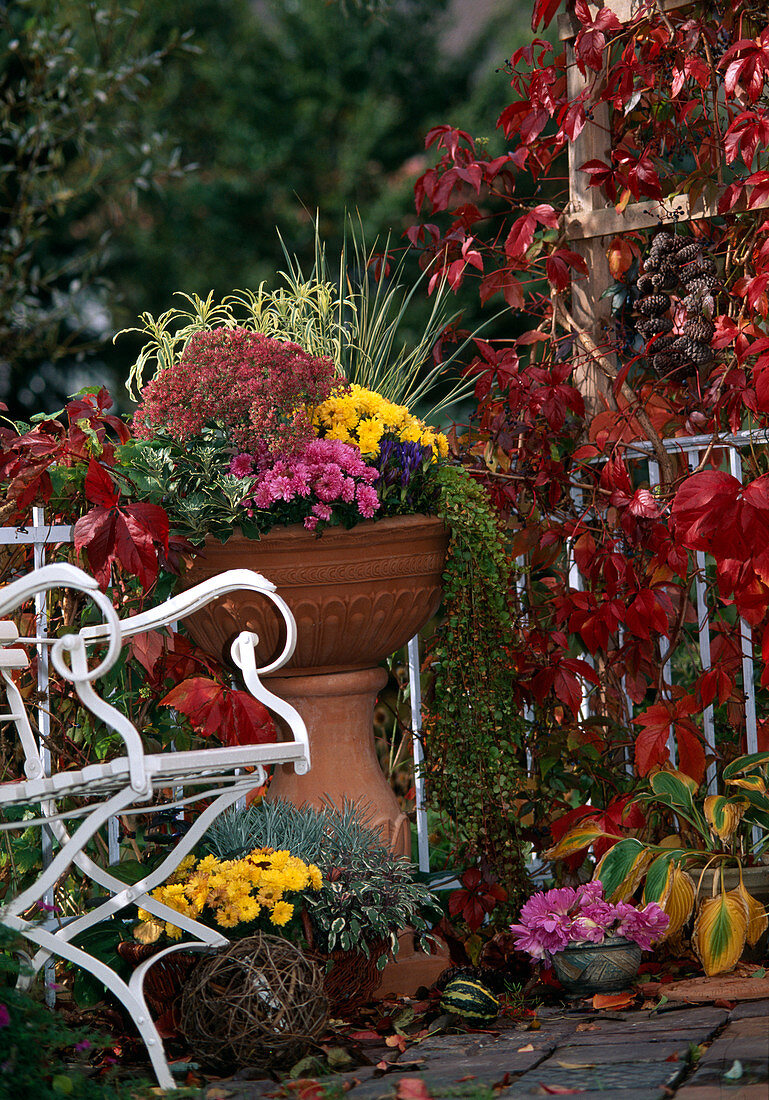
(262, 891)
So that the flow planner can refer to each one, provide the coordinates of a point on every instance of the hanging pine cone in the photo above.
(698, 267)
(646, 284)
(689, 252)
(654, 305)
(674, 262)
(650, 326)
(700, 329)
(663, 242)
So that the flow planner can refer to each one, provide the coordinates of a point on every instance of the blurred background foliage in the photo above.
(158, 147)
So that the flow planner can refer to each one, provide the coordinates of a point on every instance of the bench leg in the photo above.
(132, 999)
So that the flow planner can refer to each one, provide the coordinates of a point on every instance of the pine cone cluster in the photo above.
(677, 264)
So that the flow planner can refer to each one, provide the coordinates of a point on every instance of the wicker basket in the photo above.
(352, 978)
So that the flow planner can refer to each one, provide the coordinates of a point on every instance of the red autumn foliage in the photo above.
(614, 560)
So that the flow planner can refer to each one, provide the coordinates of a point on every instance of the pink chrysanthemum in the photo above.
(328, 472)
(643, 926)
(550, 921)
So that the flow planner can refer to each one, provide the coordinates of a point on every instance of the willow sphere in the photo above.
(258, 1002)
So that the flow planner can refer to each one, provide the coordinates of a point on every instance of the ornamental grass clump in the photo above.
(264, 889)
(552, 921)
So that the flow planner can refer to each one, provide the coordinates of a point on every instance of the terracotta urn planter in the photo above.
(357, 596)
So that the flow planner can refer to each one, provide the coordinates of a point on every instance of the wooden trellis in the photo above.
(589, 222)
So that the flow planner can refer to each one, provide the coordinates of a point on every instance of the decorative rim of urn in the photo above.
(587, 968)
(357, 594)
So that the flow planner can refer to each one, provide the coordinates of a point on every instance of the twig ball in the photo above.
(257, 1002)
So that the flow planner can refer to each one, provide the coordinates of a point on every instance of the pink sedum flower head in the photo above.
(258, 389)
(551, 921)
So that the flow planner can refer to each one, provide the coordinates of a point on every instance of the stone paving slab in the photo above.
(750, 1009)
(614, 1037)
(716, 1092)
(660, 1093)
(633, 1051)
(622, 1055)
(687, 1019)
(614, 1077)
(754, 1071)
(746, 1039)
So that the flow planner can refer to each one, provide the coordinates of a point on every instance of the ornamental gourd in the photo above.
(470, 999)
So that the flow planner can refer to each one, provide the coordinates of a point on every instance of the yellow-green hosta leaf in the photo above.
(659, 876)
(745, 763)
(679, 902)
(720, 931)
(749, 783)
(581, 836)
(671, 841)
(675, 787)
(622, 868)
(723, 814)
(758, 921)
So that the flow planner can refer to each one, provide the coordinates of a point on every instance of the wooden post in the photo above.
(589, 309)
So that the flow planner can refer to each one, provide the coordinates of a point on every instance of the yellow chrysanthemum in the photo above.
(208, 864)
(282, 913)
(184, 867)
(316, 878)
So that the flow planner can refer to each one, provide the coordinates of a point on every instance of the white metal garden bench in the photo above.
(127, 784)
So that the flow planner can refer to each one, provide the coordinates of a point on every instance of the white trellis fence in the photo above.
(693, 449)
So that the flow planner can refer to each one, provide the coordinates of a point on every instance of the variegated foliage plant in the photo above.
(715, 832)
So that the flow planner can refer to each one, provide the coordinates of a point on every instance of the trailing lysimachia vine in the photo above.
(475, 761)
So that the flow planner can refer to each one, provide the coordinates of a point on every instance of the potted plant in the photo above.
(321, 877)
(594, 945)
(711, 868)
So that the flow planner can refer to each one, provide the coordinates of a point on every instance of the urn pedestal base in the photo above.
(338, 708)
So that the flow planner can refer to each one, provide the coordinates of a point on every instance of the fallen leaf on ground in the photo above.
(735, 1073)
(396, 1041)
(468, 1077)
(576, 1065)
(613, 1000)
(412, 1088)
(364, 1036)
(587, 1026)
(502, 1083)
(526, 1049)
(558, 1090)
(672, 1057)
